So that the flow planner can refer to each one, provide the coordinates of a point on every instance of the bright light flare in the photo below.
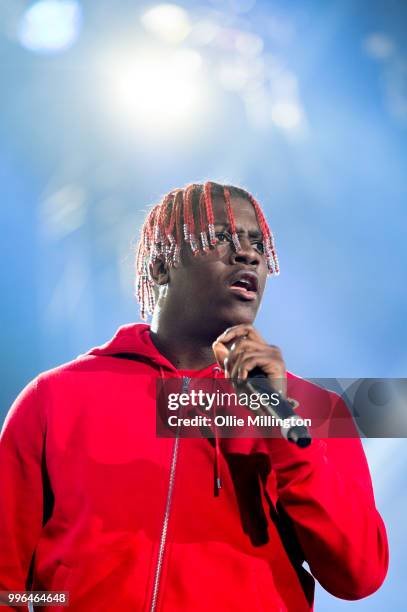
(158, 90)
(169, 22)
(50, 26)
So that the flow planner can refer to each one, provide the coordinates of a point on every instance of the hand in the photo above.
(241, 348)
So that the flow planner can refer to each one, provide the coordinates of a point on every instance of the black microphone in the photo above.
(258, 383)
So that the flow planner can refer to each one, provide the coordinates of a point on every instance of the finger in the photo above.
(276, 350)
(273, 368)
(222, 348)
(232, 363)
(221, 352)
(273, 354)
(278, 382)
(241, 346)
(247, 363)
(240, 330)
(243, 358)
(248, 347)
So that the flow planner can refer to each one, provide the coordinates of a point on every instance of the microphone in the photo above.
(258, 383)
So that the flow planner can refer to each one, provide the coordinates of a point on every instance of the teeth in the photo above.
(242, 282)
(247, 283)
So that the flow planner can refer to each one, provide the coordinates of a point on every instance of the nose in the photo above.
(247, 254)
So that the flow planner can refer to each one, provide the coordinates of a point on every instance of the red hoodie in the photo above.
(126, 521)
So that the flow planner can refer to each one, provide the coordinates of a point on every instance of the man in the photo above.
(95, 504)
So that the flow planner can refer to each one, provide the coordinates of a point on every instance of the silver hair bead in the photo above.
(176, 255)
(204, 241)
(194, 244)
(212, 235)
(157, 233)
(236, 242)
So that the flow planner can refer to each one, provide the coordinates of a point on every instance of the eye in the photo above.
(259, 246)
(222, 236)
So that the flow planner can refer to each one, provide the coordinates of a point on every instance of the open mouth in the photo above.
(245, 285)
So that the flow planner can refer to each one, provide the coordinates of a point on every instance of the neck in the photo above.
(182, 352)
(187, 347)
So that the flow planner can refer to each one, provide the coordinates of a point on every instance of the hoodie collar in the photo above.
(135, 339)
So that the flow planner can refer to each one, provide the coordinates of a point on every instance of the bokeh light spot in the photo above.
(50, 26)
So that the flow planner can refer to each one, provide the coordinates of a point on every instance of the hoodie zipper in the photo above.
(163, 539)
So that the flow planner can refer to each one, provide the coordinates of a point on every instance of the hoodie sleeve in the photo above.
(21, 500)
(326, 491)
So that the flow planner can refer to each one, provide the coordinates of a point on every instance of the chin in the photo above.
(239, 315)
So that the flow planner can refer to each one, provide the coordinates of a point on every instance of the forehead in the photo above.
(243, 211)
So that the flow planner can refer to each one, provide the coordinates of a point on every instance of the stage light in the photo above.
(50, 26)
(167, 21)
(157, 90)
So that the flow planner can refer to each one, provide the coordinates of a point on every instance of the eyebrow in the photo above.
(240, 230)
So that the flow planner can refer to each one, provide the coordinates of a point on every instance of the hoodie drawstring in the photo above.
(217, 475)
(217, 484)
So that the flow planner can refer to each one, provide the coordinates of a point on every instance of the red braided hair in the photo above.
(231, 217)
(171, 224)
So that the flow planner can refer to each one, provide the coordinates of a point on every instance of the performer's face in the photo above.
(202, 285)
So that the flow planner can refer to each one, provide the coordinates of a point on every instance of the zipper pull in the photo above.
(185, 383)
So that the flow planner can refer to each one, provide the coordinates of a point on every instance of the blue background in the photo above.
(77, 174)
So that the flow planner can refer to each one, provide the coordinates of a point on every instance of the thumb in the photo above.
(220, 352)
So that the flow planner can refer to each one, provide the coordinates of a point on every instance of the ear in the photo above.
(159, 272)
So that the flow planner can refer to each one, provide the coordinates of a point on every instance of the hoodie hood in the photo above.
(133, 340)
